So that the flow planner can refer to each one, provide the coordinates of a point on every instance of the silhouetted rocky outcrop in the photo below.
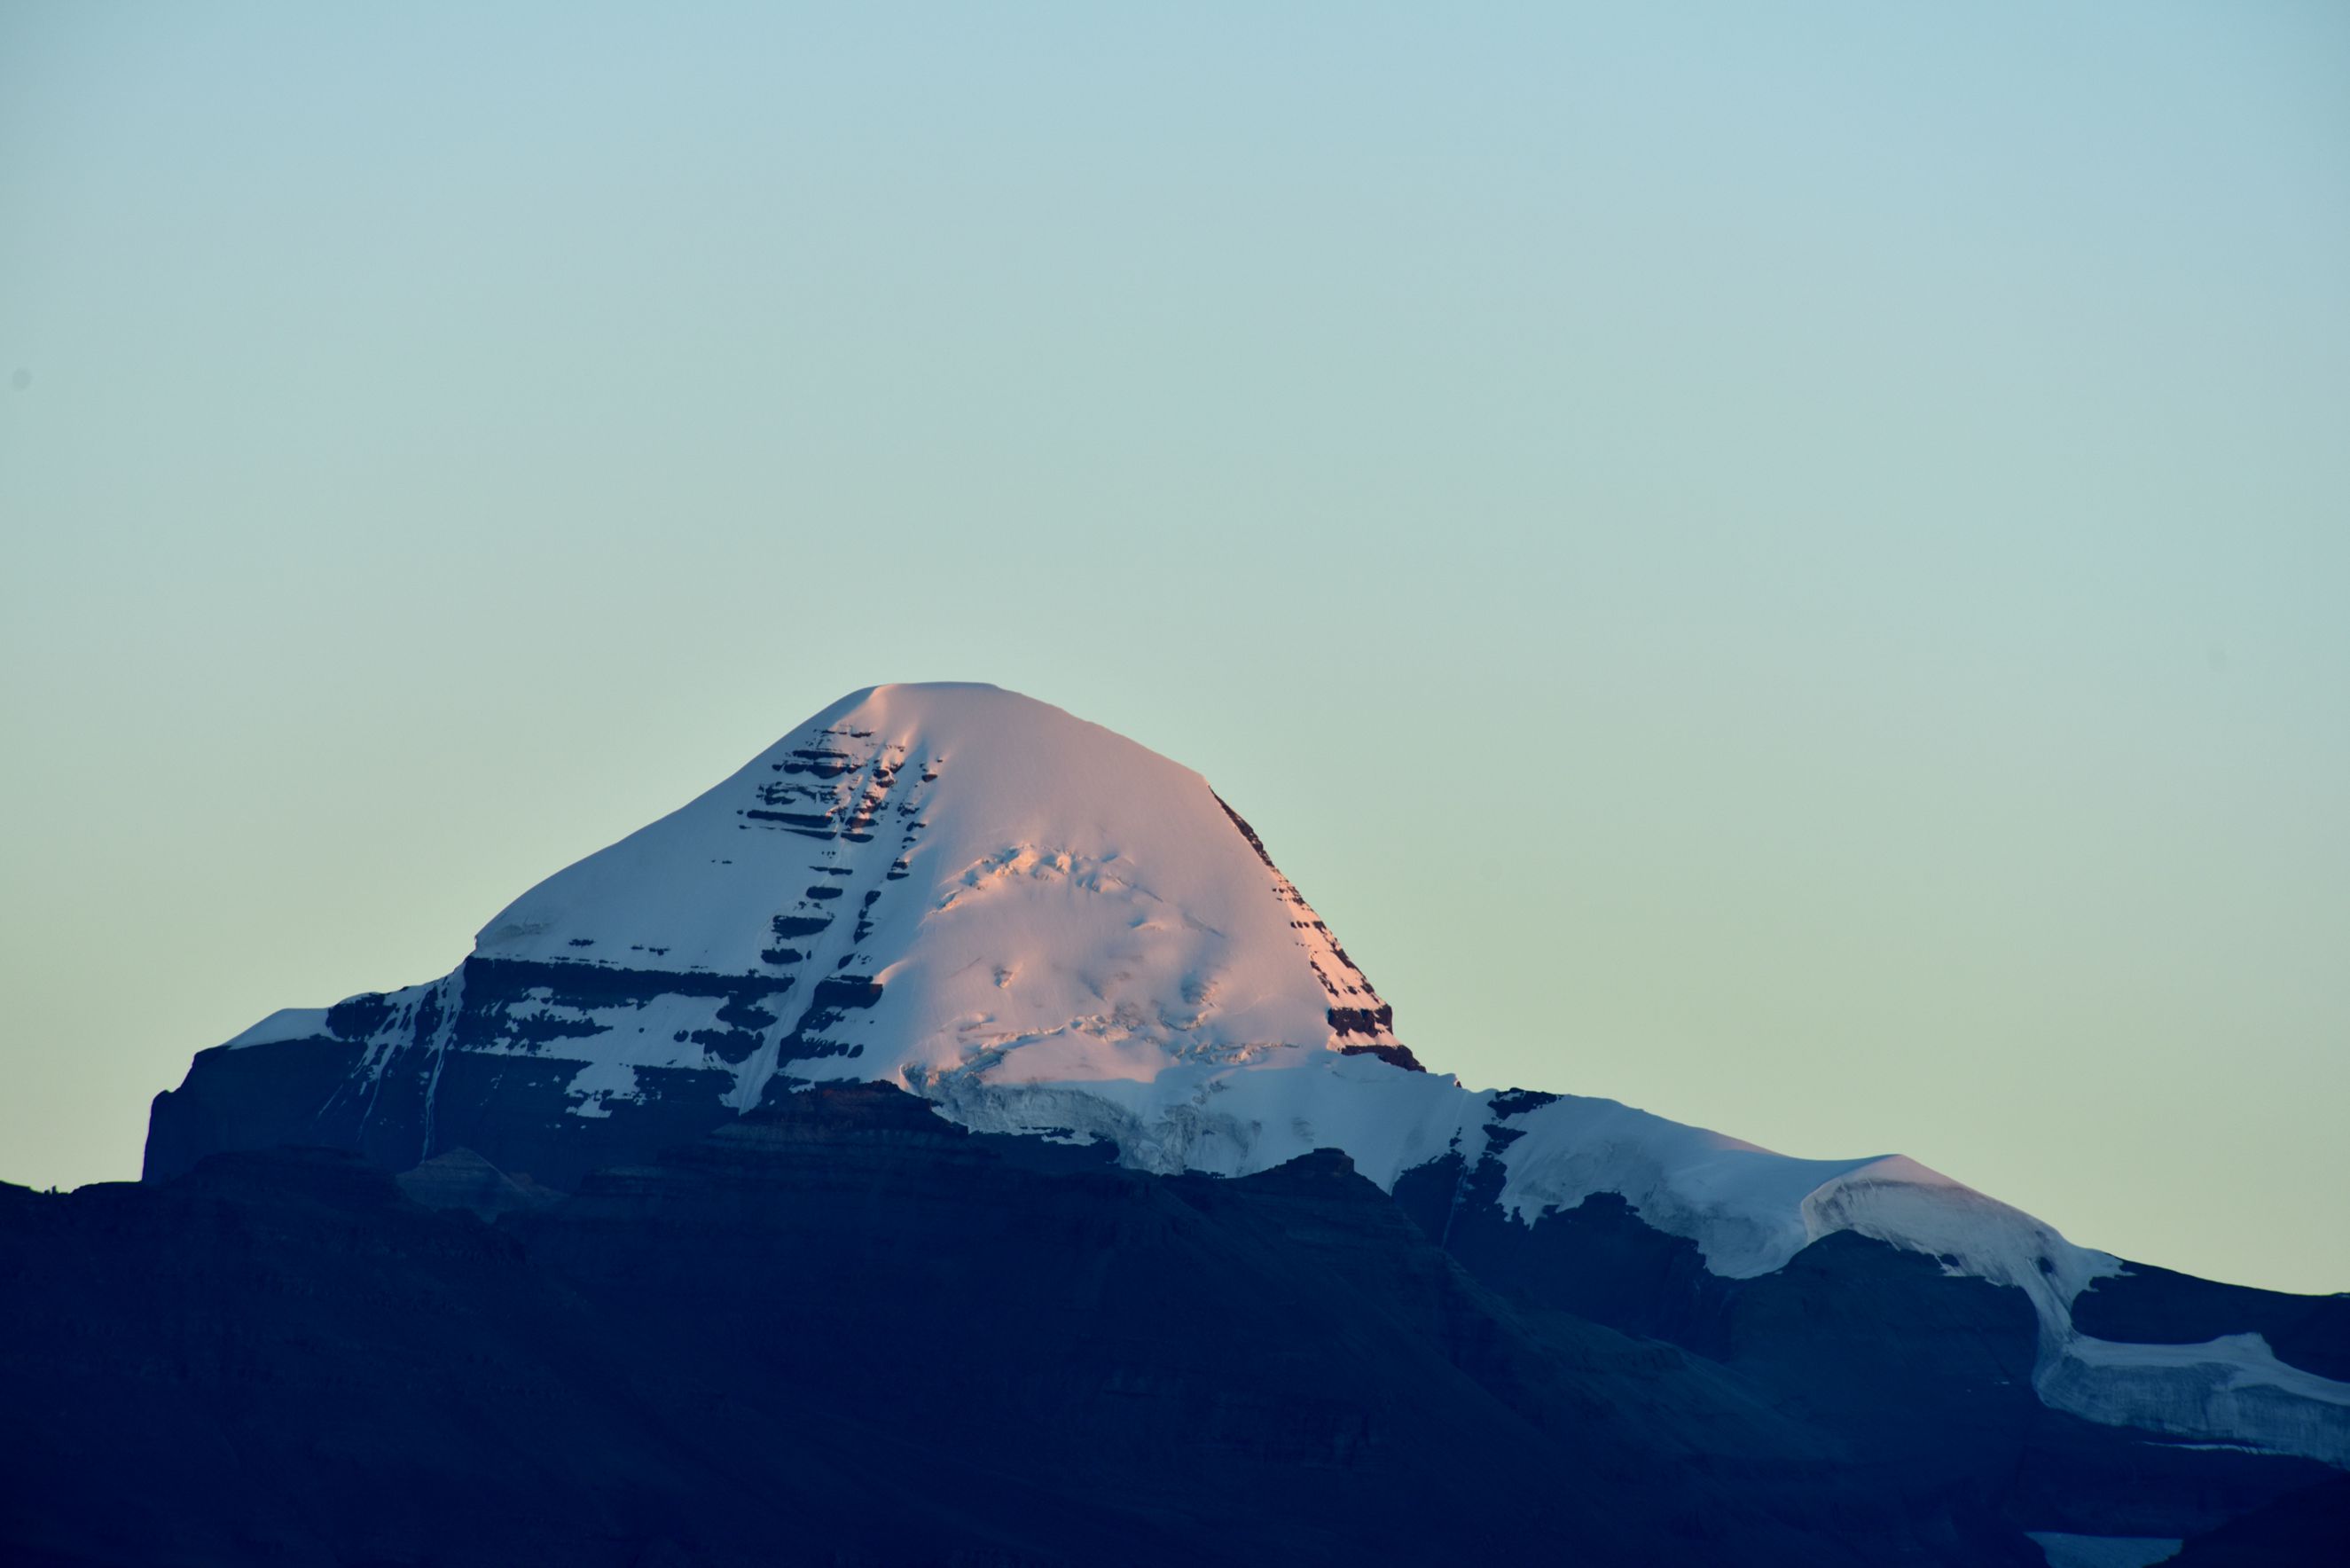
(843, 1329)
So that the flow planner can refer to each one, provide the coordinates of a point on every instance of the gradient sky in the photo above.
(1789, 566)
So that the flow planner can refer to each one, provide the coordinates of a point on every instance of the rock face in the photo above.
(953, 1030)
(842, 1329)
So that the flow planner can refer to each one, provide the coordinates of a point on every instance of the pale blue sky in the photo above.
(1785, 565)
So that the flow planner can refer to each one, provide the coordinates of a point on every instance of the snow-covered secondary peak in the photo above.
(964, 880)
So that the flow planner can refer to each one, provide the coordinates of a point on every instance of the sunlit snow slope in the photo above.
(1043, 927)
(1033, 896)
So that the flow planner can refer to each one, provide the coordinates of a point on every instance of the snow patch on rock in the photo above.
(2067, 1551)
(285, 1024)
(2232, 1387)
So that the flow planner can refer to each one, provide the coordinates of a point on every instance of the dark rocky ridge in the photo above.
(1931, 1374)
(846, 1327)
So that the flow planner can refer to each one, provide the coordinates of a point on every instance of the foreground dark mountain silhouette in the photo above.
(950, 1139)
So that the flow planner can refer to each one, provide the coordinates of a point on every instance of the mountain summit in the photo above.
(938, 881)
(1038, 928)
(948, 888)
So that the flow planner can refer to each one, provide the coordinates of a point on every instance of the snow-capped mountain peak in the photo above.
(1045, 929)
(990, 885)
